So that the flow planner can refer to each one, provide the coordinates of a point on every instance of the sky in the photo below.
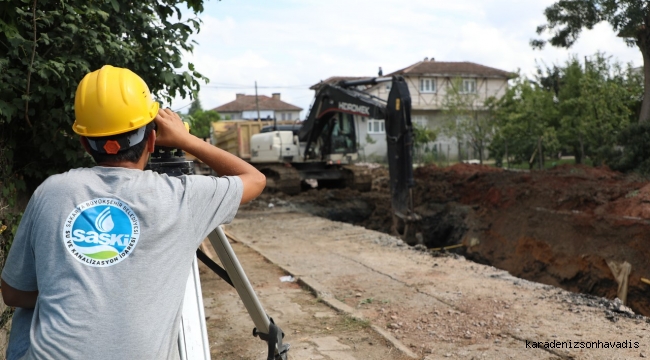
(289, 45)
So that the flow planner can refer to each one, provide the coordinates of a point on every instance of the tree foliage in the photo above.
(630, 19)
(422, 137)
(47, 46)
(195, 106)
(633, 153)
(577, 108)
(524, 119)
(594, 106)
(201, 121)
(467, 118)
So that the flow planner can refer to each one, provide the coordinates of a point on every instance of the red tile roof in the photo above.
(451, 69)
(432, 67)
(247, 102)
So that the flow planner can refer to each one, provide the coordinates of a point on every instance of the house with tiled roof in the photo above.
(245, 107)
(428, 81)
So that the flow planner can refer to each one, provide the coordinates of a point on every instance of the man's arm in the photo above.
(172, 133)
(18, 298)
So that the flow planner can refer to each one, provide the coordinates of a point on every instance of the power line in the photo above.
(182, 107)
(245, 86)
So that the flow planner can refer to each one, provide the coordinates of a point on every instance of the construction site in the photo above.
(425, 261)
(345, 180)
(508, 259)
(559, 227)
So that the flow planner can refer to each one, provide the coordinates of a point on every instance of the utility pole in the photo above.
(257, 103)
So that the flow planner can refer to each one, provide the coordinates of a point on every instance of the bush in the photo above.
(633, 152)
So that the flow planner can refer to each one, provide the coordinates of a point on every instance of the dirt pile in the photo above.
(558, 227)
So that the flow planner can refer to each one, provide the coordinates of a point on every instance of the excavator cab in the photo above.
(329, 131)
(337, 138)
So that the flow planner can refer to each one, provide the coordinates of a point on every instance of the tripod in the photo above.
(193, 341)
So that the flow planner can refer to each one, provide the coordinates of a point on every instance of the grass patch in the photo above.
(366, 301)
(352, 323)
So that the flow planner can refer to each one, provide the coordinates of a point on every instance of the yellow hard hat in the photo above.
(112, 101)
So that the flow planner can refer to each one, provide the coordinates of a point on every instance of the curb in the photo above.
(319, 291)
(341, 307)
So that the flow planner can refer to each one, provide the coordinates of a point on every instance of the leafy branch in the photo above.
(30, 67)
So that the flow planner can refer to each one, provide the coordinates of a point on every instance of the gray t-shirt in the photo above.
(109, 250)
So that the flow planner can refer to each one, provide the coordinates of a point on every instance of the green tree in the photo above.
(595, 101)
(524, 123)
(630, 19)
(467, 118)
(422, 137)
(633, 154)
(594, 116)
(47, 46)
(201, 121)
(195, 106)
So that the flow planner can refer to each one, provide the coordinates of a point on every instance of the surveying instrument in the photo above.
(193, 335)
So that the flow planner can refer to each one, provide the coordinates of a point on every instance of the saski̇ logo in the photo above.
(101, 232)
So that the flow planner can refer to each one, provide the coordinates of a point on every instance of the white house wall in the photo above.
(231, 115)
(367, 151)
(485, 88)
(252, 114)
(287, 115)
(428, 107)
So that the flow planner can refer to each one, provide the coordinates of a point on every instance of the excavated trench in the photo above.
(559, 227)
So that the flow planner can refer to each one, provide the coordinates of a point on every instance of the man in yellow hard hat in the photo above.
(103, 254)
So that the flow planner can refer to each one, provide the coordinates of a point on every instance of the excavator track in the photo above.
(358, 177)
(281, 178)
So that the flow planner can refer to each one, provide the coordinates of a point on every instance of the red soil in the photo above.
(558, 227)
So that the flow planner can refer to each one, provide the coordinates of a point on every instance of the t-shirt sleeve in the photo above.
(212, 201)
(20, 268)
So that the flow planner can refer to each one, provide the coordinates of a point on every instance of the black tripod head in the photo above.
(170, 161)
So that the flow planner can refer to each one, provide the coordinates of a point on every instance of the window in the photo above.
(288, 116)
(468, 86)
(420, 121)
(284, 116)
(376, 127)
(427, 85)
(389, 85)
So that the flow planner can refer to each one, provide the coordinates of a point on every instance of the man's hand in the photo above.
(171, 131)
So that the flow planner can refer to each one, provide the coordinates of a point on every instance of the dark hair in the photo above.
(132, 154)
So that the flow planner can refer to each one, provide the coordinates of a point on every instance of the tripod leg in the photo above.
(193, 334)
(245, 291)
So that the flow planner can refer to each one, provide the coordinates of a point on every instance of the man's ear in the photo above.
(84, 143)
(151, 142)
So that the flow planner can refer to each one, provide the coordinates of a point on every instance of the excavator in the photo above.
(324, 148)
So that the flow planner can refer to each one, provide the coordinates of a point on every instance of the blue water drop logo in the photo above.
(104, 221)
(101, 232)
